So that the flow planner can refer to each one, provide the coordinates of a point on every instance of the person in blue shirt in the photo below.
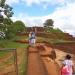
(32, 38)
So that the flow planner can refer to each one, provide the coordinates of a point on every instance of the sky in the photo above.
(36, 12)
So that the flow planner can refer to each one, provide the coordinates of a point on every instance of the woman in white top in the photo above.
(68, 64)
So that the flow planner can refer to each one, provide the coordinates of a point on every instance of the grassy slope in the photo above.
(53, 41)
(11, 44)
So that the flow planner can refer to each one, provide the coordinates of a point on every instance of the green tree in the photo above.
(2, 3)
(7, 10)
(8, 28)
(8, 22)
(18, 26)
(5, 23)
(48, 24)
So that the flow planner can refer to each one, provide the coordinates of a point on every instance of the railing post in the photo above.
(15, 61)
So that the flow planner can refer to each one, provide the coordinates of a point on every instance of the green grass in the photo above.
(23, 65)
(2, 54)
(20, 37)
(40, 39)
(53, 41)
(11, 44)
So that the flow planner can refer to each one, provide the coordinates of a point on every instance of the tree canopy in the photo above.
(18, 26)
(5, 22)
(7, 26)
(48, 23)
(6, 9)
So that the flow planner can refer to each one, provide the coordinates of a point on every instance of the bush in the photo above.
(9, 35)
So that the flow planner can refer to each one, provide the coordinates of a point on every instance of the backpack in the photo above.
(65, 70)
(33, 36)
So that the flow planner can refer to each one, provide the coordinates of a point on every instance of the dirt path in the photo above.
(60, 55)
(35, 65)
(39, 62)
(50, 65)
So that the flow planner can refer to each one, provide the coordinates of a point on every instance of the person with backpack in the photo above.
(33, 38)
(67, 66)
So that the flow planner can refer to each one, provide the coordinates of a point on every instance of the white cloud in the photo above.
(45, 3)
(42, 2)
(30, 2)
(29, 21)
(65, 18)
(11, 2)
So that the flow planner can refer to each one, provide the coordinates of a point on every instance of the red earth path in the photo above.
(38, 63)
(35, 64)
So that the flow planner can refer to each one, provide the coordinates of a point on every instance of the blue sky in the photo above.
(35, 12)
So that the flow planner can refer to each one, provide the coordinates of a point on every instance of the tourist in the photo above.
(33, 38)
(67, 66)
